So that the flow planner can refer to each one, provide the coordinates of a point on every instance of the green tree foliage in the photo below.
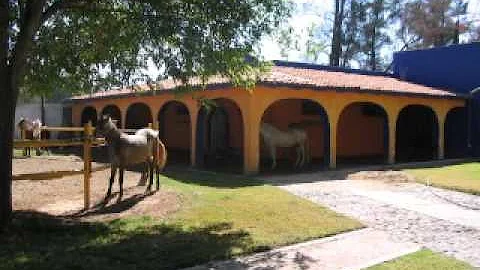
(78, 45)
(287, 40)
(380, 14)
(314, 46)
(431, 23)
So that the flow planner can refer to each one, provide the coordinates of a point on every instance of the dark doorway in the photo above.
(456, 138)
(138, 116)
(114, 112)
(89, 114)
(219, 136)
(175, 131)
(362, 134)
(304, 114)
(417, 134)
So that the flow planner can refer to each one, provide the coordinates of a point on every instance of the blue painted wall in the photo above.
(455, 68)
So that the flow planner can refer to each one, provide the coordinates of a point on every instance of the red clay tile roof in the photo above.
(304, 78)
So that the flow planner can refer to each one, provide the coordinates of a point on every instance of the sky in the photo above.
(308, 12)
(314, 11)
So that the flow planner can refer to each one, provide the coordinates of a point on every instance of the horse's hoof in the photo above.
(106, 199)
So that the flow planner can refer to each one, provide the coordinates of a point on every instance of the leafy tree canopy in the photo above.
(76, 45)
(84, 44)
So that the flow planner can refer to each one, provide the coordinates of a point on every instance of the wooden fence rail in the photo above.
(80, 129)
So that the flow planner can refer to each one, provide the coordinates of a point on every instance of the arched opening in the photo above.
(456, 134)
(138, 116)
(362, 134)
(219, 136)
(89, 113)
(114, 112)
(302, 114)
(175, 131)
(417, 134)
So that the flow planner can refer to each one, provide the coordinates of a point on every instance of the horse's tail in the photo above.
(161, 155)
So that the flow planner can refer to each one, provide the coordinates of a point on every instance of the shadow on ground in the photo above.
(111, 205)
(40, 241)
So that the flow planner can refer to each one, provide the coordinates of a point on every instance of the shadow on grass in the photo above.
(211, 179)
(40, 241)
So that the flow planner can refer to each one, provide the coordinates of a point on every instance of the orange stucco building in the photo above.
(349, 116)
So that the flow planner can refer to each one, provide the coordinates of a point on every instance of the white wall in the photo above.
(53, 115)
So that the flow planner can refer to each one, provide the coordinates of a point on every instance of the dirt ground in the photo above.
(64, 196)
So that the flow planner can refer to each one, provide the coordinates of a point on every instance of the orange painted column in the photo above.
(441, 135)
(392, 114)
(123, 112)
(251, 138)
(333, 112)
(193, 109)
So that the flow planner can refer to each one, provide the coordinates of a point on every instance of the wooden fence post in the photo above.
(23, 135)
(87, 163)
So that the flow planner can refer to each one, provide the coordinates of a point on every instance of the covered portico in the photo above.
(352, 116)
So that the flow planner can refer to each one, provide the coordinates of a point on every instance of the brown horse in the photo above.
(125, 150)
(159, 154)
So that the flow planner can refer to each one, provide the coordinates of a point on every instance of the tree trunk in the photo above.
(42, 110)
(11, 77)
(336, 50)
(7, 118)
(373, 50)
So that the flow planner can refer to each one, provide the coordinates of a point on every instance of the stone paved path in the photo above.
(352, 250)
(441, 220)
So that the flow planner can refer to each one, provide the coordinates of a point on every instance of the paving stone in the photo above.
(403, 223)
(352, 250)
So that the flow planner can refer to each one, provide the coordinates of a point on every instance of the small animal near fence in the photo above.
(87, 142)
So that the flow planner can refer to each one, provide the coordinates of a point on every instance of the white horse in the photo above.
(292, 137)
(35, 127)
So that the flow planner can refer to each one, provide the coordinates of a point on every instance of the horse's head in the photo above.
(105, 124)
(37, 123)
(24, 124)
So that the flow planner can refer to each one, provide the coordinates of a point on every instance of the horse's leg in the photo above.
(113, 171)
(297, 161)
(150, 176)
(120, 183)
(157, 175)
(302, 152)
(307, 153)
(273, 155)
(143, 178)
(152, 173)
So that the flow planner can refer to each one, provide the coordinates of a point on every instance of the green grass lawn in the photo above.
(221, 216)
(423, 260)
(462, 177)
